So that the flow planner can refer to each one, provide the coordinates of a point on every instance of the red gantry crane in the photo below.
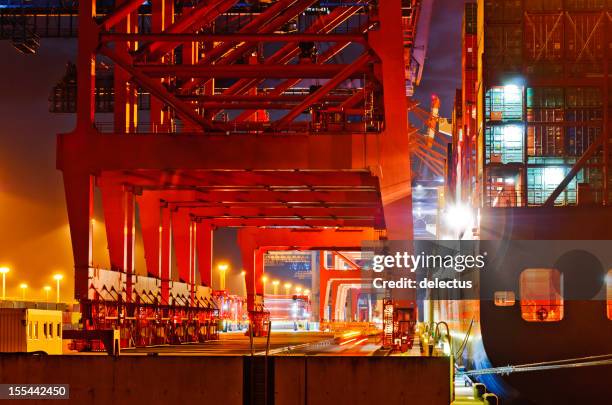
(288, 113)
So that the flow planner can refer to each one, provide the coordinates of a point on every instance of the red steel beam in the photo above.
(259, 24)
(150, 222)
(182, 229)
(156, 88)
(319, 239)
(353, 100)
(204, 249)
(251, 204)
(266, 196)
(213, 212)
(214, 105)
(267, 22)
(284, 86)
(120, 12)
(236, 37)
(300, 71)
(326, 152)
(323, 25)
(266, 180)
(259, 98)
(346, 72)
(291, 222)
(287, 53)
(200, 16)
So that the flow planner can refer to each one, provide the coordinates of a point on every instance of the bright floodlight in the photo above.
(264, 278)
(23, 286)
(275, 282)
(513, 93)
(4, 270)
(243, 273)
(47, 288)
(222, 267)
(513, 134)
(554, 175)
(58, 277)
(459, 217)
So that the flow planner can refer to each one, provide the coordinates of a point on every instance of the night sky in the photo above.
(34, 236)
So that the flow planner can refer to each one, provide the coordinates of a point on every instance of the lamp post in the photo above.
(275, 284)
(288, 288)
(23, 287)
(222, 269)
(264, 279)
(47, 289)
(298, 289)
(3, 271)
(57, 278)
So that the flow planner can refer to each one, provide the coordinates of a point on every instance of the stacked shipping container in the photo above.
(462, 175)
(544, 100)
(469, 62)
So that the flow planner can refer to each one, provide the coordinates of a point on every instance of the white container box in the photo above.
(30, 330)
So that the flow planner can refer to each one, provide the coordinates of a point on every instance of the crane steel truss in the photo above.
(212, 152)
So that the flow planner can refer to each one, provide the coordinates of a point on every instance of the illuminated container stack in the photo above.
(544, 102)
(469, 62)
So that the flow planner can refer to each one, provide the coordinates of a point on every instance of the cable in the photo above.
(463, 345)
(551, 365)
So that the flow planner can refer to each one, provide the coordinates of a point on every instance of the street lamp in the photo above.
(288, 288)
(57, 278)
(264, 278)
(3, 271)
(23, 287)
(307, 293)
(298, 289)
(275, 284)
(222, 269)
(47, 289)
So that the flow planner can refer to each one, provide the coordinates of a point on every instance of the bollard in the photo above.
(479, 390)
(490, 399)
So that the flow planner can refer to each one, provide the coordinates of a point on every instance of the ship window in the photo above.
(30, 330)
(36, 330)
(541, 295)
(609, 293)
(504, 298)
(59, 330)
(51, 330)
(45, 330)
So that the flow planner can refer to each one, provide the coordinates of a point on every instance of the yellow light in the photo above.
(47, 288)
(4, 270)
(350, 334)
(306, 292)
(264, 278)
(222, 266)
(298, 289)
(243, 273)
(23, 286)
(58, 277)
(275, 282)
